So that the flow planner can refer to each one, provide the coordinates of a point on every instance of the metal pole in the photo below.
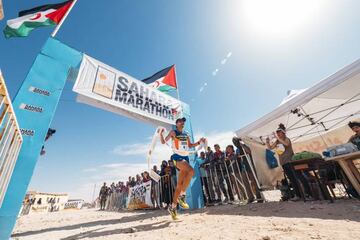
(177, 85)
(251, 168)
(235, 180)
(241, 179)
(63, 19)
(223, 184)
(217, 181)
(93, 196)
(249, 180)
(212, 182)
(229, 179)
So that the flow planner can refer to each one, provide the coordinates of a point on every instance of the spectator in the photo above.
(155, 190)
(235, 180)
(128, 182)
(244, 159)
(285, 151)
(355, 139)
(103, 196)
(165, 183)
(112, 187)
(222, 174)
(209, 154)
(133, 182)
(146, 177)
(173, 176)
(155, 169)
(203, 177)
(138, 180)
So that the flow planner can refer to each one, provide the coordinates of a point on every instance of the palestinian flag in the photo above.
(46, 15)
(164, 80)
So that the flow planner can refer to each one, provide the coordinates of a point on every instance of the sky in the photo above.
(235, 61)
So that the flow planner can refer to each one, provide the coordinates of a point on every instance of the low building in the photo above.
(40, 202)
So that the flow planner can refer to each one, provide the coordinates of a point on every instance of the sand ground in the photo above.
(271, 220)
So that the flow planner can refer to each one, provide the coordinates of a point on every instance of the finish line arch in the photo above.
(52, 67)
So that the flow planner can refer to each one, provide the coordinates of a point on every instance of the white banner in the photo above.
(140, 196)
(104, 87)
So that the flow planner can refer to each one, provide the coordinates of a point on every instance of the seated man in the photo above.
(355, 139)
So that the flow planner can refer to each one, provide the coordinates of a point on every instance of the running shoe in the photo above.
(182, 202)
(172, 212)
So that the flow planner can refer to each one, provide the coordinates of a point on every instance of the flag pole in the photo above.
(177, 85)
(63, 19)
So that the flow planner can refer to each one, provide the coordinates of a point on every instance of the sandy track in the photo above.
(273, 220)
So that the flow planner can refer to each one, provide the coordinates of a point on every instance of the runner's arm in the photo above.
(164, 140)
(195, 144)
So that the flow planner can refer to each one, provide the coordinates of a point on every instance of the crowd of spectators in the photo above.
(226, 176)
(161, 192)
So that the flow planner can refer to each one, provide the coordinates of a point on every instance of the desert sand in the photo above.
(264, 221)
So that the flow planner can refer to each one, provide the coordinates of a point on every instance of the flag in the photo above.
(164, 80)
(1, 10)
(46, 15)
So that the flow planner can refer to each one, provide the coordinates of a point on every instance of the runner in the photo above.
(181, 141)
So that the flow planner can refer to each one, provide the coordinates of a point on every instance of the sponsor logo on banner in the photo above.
(104, 82)
(39, 91)
(105, 87)
(31, 108)
(140, 196)
(27, 132)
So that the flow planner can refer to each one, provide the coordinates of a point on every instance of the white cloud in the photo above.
(215, 72)
(161, 152)
(131, 149)
(89, 170)
(223, 61)
(229, 54)
(108, 173)
(216, 137)
(201, 89)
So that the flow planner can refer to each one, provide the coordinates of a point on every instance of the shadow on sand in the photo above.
(137, 228)
(339, 210)
(142, 215)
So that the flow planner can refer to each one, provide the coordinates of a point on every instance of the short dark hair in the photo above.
(230, 146)
(354, 124)
(180, 119)
(281, 128)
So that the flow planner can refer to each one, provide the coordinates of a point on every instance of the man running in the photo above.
(181, 141)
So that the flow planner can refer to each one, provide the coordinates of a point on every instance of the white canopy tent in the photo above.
(314, 117)
(329, 104)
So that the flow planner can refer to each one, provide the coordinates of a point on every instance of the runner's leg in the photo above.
(182, 176)
(189, 174)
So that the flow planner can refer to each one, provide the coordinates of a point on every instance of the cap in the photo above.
(180, 119)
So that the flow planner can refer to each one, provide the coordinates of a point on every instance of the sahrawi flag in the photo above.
(164, 80)
(46, 15)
